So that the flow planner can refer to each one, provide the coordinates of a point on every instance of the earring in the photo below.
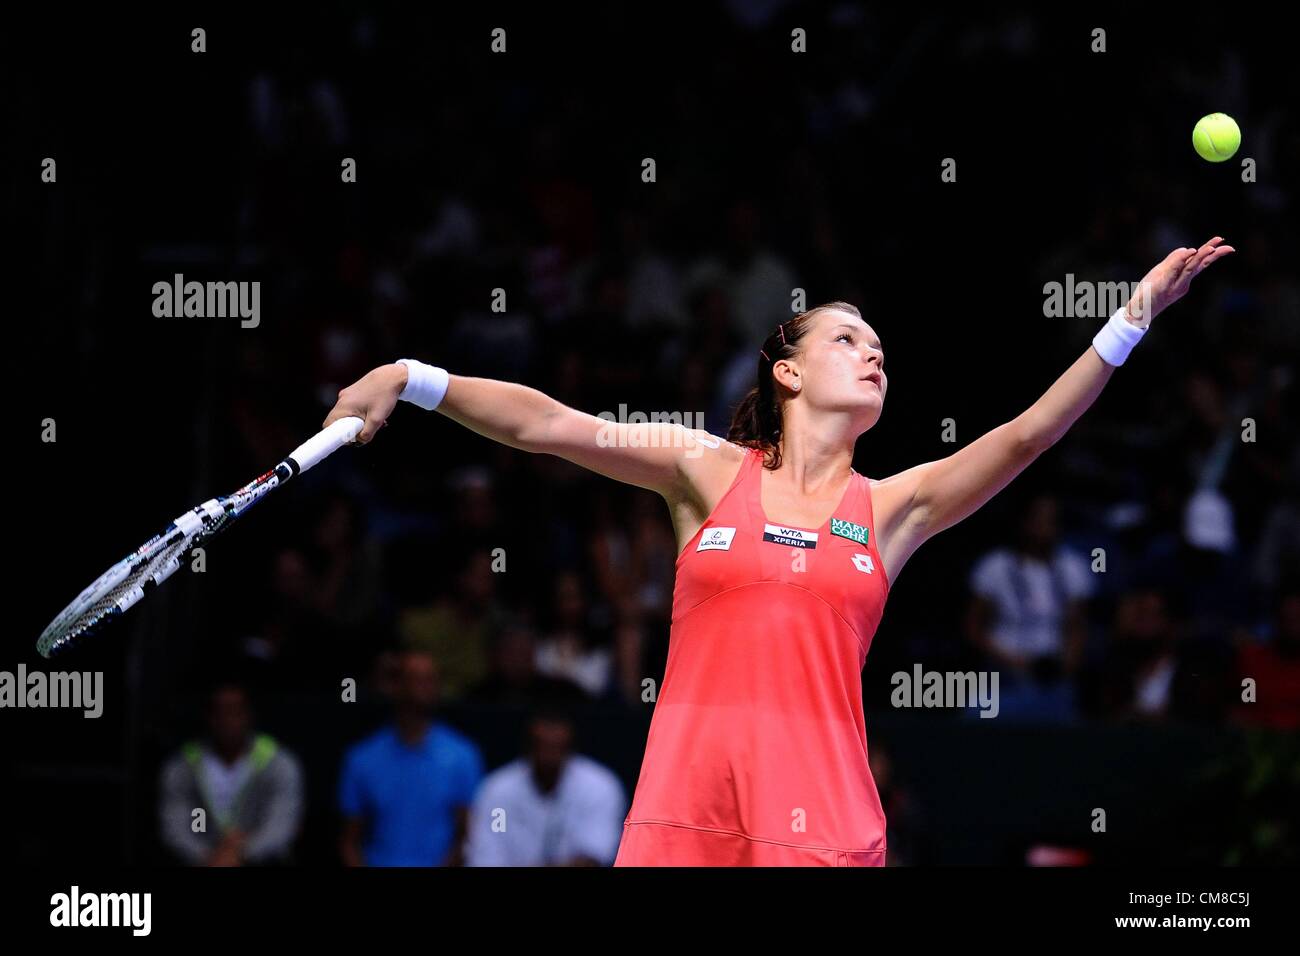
(795, 386)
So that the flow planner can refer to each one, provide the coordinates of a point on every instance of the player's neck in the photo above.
(810, 465)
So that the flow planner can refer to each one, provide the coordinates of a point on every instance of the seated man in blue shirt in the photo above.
(405, 791)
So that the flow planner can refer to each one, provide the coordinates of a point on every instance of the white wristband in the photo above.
(1117, 338)
(425, 384)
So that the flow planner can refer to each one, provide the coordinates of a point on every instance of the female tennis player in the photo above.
(757, 751)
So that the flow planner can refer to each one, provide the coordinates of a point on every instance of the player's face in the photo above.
(843, 365)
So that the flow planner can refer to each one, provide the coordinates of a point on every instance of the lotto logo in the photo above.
(863, 563)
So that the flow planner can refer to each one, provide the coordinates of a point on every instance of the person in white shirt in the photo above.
(551, 807)
(1028, 607)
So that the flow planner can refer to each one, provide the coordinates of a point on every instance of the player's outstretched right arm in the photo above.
(652, 455)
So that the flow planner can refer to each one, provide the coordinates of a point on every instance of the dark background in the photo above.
(522, 171)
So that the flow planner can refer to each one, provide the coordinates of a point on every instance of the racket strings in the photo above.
(128, 581)
(104, 599)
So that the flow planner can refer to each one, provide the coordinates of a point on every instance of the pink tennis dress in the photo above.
(757, 752)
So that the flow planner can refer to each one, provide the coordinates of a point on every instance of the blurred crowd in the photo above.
(1151, 573)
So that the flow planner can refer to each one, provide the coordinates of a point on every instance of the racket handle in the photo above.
(324, 443)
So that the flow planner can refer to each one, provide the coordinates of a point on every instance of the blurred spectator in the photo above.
(570, 648)
(904, 830)
(457, 627)
(1028, 612)
(757, 279)
(405, 791)
(728, 357)
(326, 602)
(493, 344)
(653, 558)
(1277, 554)
(654, 288)
(1138, 677)
(248, 785)
(1202, 568)
(346, 567)
(552, 807)
(1274, 666)
(514, 679)
(609, 547)
(273, 652)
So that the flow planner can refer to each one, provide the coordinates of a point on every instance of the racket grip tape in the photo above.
(324, 443)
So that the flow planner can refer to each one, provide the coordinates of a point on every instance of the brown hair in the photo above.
(757, 420)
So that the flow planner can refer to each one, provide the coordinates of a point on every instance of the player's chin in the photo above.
(864, 400)
(868, 411)
(869, 398)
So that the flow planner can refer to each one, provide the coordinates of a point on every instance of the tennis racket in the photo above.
(127, 582)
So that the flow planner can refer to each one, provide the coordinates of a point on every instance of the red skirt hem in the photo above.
(668, 844)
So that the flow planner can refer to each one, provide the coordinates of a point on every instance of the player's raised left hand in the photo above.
(1169, 280)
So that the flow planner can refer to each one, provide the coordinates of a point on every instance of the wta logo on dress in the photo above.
(792, 537)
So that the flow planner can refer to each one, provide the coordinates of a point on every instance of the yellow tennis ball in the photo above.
(1216, 137)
